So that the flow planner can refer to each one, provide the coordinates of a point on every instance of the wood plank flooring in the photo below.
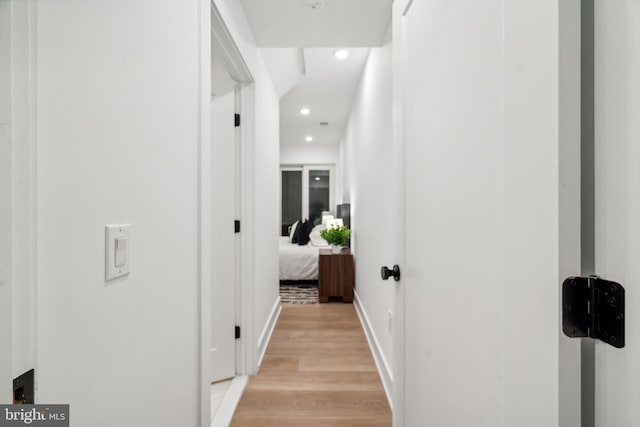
(317, 371)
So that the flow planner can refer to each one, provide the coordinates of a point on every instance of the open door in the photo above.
(222, 348)
(454, 224)
(617, 200)
(485, 215)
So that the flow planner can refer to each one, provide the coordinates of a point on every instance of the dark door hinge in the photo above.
(237, 332)
(593, 307)
(24, 388)
(236, 226)
(236, 120)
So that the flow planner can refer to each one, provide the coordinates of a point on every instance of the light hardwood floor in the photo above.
(317, 371)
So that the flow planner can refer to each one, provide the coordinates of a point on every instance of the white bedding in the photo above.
(299, 262)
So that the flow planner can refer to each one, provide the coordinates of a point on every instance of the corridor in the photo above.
(317, 371)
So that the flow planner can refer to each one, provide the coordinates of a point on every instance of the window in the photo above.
(306, 191)
(291, 209)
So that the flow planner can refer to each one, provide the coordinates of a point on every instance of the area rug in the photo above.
(299, 294)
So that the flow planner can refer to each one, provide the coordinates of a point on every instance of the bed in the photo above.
(300, 262)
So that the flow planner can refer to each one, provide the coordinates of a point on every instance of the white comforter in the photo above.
(300, 262)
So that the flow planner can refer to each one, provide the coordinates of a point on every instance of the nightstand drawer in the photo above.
(336, 275)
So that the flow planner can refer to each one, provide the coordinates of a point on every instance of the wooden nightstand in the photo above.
(336, 274)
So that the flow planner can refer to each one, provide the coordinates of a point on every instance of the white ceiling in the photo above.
(327, 89)
(289, 29)
(292, 23)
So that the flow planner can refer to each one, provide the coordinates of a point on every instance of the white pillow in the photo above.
(317, 229)
(293, 230)
(315, 237)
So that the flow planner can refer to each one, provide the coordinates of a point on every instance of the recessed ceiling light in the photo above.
(309, 139)
(341, 54)
(317, 178)
(316, 4)
(305, 111)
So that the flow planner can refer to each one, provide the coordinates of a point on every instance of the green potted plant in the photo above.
(336, 236)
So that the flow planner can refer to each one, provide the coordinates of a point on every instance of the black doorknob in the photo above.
(387, 272)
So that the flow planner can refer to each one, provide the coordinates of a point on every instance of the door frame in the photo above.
(399, 11)
(214, 30)
(19, 198)
(6, 225)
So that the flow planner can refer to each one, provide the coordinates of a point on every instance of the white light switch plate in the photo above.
(117, 250)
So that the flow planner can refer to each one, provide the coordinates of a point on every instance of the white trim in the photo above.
(21, 131)
(569, 208)
(237, 68)
(218, 33)
(247, 362)
(265, 336)
(229, 403)
(406, 8)
(222, 40)
(205, 245)
(6, 206)
(33, 180)
(239, 240)
(398, 329)
(386, 374)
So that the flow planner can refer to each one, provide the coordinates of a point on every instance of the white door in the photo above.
(483, 251)
(617, 200)
(5, 203)
(453, 220)
(223, 296)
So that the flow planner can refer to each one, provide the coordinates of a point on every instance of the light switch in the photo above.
(121, 251)
(117, 249)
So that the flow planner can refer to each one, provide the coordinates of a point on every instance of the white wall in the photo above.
(5, 203)
(267, 216)
(286, 67)
(263, 173)
(118, 116)
(369, 183)
(314, 154)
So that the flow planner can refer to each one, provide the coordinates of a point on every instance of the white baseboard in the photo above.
(229, 403)
(265, 336)
(386, 374)
(227, 408)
